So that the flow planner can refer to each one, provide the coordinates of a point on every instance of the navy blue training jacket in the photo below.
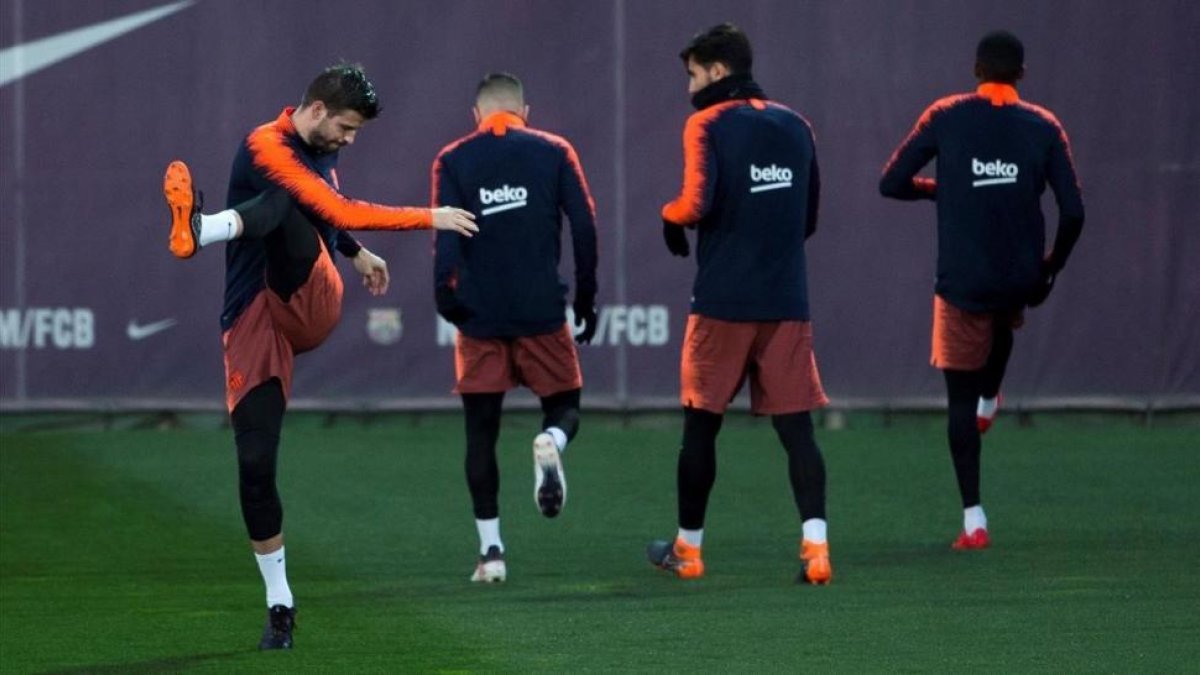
(750, 188)
(995, 156)
(518, 182)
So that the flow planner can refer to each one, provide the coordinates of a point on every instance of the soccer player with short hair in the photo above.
(502, 290)
(995, 155)
(750, 189)
(283, 294)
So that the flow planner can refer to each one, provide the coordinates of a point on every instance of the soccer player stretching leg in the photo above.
(995, 155)
(283, 295)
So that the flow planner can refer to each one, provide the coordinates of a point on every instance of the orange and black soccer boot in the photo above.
(680, 557)
(974, 540)
(814, 564)
(185, 204)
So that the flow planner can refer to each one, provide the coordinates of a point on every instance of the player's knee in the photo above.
(797, 425)
(256, 459)
(263, 520)
(700, 429)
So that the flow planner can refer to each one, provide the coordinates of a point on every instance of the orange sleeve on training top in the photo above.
(696, 196)
(272, 155)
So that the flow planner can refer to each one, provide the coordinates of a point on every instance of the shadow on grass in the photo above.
(165, 665)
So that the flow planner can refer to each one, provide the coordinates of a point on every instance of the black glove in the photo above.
(676, 239)
(585, 316)
(1045, 285)
(449, 306)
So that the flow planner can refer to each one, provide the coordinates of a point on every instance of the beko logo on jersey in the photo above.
(996, 172)
(505, 198)
(770, 178)
(42, 327)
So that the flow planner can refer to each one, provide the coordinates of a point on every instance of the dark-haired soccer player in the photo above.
(283, 295)
(750, 189)
(995, 155)
(501, 288)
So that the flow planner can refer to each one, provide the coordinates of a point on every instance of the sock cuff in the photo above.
(273, 555)
(559, 436)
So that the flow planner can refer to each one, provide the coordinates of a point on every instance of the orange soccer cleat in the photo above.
(814, 563)
(680, 558)
(185, 204)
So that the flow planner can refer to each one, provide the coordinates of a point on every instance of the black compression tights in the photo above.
(806, 466)
(482, 418)
(257, 421)
(562, 410)
(963, 388)
(289, 238)
(697, 469)
(993, 371)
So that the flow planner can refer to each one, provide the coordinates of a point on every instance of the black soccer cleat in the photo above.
(278, 632)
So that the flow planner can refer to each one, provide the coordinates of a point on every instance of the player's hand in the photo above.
(1045, 285)
(585, 317)
(676, 239)
(374, 271)
(455, 220)
(450, 307)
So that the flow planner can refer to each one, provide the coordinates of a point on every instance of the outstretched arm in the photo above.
(278, 161)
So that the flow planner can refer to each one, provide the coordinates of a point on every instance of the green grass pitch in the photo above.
(123, 551)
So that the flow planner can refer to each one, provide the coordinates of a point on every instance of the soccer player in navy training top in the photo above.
(750, 189)
(502, 290)
(995, 155)
(283, 295)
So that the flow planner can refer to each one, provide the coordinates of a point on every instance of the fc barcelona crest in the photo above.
(384, 326)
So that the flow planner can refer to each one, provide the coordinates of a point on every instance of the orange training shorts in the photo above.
(776, 355)
(547, 364)
(962, 340)
(265, 338)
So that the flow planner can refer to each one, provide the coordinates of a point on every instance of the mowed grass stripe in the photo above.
(126, 551)
(1092, 569)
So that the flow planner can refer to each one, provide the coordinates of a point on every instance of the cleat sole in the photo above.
(177, 189)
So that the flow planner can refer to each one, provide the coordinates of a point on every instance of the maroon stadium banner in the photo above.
(96, 97)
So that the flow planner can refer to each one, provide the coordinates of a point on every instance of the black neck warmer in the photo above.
(727, 89)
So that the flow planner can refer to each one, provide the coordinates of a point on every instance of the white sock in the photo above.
(489, 534)
(692, 537)
(273, 567)
(814, 530)
(221, 226)
(973, 519)
(987, 407)
(559, 436)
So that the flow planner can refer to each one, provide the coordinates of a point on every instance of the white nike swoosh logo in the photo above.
(27, 58)
(136, 332)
